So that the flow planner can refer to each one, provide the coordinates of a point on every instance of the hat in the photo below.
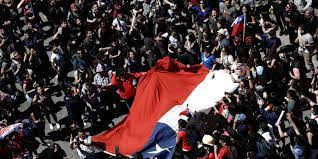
(183, 117)
(99, 68)
(240, 117)
(185, 113)
(208, 140)
(223, 32)
(259, 88)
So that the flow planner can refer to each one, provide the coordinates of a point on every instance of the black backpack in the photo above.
(193, 136)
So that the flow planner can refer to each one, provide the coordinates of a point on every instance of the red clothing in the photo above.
(126, 88)
(223, 153)
(195, 2)
(208, 156)
(4, 151)
(183, 136)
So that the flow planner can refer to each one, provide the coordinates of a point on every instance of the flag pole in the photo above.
(244, 27)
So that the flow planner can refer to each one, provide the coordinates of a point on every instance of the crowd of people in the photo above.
(97, 50)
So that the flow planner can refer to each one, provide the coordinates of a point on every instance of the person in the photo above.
(305, 41)
(92, 16)
(75, 106)
(119, 24)
(209, 61)
(223, 152)
(46, 105)
(226, 59)
(58, 63)
(124, 82)
(54, 151)
(72, 15)
(291, 19)
(208, 142)
(311, 127)
(183, 137)
(81, 75)
(221, 39)
(82, 143)
(302, 5)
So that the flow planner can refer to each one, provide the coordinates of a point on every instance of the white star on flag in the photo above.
(159, 149)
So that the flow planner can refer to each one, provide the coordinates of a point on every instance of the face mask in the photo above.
(265, 95)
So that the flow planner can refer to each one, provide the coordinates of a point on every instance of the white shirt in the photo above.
(119, 24)
(83, 147)
(303, 40)
(314, 117)
(301, 4)
(101, 80)
(227, 60)
(173, 41)
(57, 60)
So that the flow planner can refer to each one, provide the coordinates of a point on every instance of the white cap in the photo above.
(208, 140)
(183, 117)
(223, 32)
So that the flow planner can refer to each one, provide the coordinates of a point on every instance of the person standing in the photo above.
(82, 143)
(124, 83)
(305, 41)
(75, 106)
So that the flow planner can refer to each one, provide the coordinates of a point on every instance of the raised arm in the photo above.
(20, 4)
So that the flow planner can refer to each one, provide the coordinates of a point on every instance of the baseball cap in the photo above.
(208, 140)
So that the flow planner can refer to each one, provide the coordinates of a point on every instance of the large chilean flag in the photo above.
(152, 123)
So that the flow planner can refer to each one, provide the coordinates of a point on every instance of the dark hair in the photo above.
(182, 124)
(29, 32)
(302, 27)
(248, 8)
(263, 126)
(225, 100)
(292, 6)
(292, 94)
(225, 139)
(207, 49)
(58, 146)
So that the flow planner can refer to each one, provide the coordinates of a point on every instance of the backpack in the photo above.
(264, 148)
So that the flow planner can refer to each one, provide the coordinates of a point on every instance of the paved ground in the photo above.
(63, 113)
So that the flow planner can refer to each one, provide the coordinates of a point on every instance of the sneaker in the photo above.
(51, 126)
(58, 126)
